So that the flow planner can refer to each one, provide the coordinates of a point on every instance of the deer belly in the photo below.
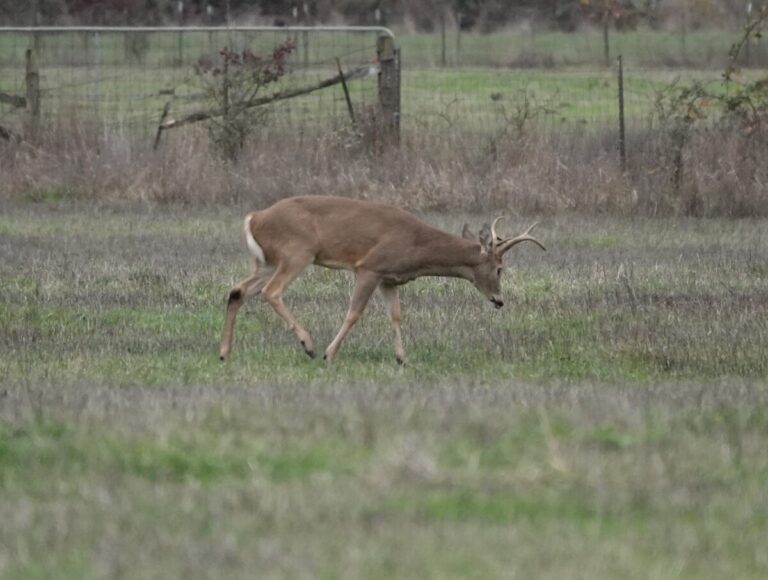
(395, 280)
(333, 264)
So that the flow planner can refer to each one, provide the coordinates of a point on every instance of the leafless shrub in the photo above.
(231, 82)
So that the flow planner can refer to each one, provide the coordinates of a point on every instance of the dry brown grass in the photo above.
(723, 174)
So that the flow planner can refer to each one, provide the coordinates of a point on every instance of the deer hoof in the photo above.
(310, 353)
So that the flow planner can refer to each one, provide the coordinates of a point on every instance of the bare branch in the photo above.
(751, 30)
(198, 116)
(13, 100)
(10, 135)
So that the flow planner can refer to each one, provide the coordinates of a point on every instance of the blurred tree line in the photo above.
(415, 15)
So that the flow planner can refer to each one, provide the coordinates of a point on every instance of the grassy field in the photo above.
(100, 79)
(611, 421)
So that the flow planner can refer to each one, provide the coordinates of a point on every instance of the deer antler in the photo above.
(494, 236)
(524, 237)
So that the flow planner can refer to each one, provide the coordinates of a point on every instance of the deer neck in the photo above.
(453, 257)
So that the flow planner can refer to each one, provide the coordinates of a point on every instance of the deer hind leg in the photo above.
(237, 295)
(365, 284)
(392, 298)
(273, 293)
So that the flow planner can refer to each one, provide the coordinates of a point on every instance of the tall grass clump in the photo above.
(536, 171)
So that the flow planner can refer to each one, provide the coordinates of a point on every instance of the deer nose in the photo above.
(497, 302)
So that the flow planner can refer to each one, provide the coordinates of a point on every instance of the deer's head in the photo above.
(487, 272)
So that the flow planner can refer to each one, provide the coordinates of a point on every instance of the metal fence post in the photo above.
(622, 133)
(442, 38)
(180, 56)
(458, 38)
(347, 98)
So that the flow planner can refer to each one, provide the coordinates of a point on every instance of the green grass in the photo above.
(45, 448)
(153, 324)
(342, 490)
(609, 422)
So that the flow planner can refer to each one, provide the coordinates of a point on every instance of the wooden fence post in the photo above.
(32, 81)
(389, 86)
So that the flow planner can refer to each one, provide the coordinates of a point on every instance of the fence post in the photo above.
(32, 81)
(442, 38)
(36, 38)
(95, 74)
(389, 86)
(458, 38)
(347, 98)
(229, 143)
(622, 133)
(180, 47)
(684, 32)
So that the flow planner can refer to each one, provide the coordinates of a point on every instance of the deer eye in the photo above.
(498, 271)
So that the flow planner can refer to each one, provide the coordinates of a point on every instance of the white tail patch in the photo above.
(253, 245)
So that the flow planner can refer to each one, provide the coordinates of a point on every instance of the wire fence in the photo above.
(532, 49)
(488, 82)
(123, 78)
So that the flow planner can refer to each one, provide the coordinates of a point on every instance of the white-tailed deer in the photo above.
(383, 245)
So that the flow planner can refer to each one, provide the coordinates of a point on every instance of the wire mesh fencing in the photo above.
(124, 79)
(489, 82)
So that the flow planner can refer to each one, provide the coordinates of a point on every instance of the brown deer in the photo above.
(383, 245)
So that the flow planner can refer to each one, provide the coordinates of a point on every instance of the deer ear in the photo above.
(485, 238)
(467, 233)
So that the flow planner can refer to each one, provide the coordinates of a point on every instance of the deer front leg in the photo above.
(365, 284)
(392, 298)
(273, 293)
(237, 295)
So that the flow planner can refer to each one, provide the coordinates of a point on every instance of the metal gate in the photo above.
(122, 79)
